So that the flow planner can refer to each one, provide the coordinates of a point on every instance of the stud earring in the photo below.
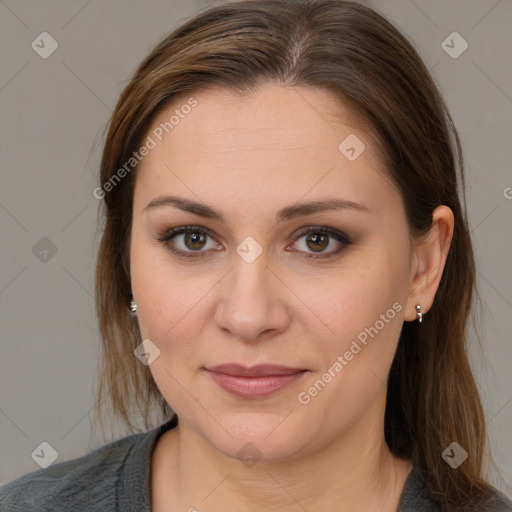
(418, 312)
(133, 306)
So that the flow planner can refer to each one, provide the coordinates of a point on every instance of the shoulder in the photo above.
(417, 498)
(91, 482)
(499, 503)
(62, 485)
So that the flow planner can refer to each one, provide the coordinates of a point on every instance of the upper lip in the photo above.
(254, 371)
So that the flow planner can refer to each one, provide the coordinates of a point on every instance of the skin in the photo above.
(248, 156)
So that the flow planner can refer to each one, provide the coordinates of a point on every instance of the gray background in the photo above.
(53, 113)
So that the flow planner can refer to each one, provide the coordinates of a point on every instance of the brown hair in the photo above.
(357, 55)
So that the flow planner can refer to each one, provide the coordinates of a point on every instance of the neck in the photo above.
(355, 472)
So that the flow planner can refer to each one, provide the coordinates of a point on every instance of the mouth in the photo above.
(254, 382)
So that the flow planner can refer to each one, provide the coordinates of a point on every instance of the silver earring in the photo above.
(133, 306)
(418, 312)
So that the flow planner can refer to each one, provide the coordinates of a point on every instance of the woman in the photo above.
(286, 255)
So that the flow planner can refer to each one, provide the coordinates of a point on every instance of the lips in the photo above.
(254, 382)
(254, 371)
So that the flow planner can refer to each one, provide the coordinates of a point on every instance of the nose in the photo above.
(252, 304)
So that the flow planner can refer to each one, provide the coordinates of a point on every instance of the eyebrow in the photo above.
(287, 213)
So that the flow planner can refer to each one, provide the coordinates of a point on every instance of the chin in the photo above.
(255, 436)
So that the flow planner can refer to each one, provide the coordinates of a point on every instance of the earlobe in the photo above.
(430, 255)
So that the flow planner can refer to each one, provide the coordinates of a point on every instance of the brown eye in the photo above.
(318, 239)
(195, 240)
(318, 242)
(188, 242)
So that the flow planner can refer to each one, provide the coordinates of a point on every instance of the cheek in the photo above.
(355, 298)
(171, 313)
(352, 365)
(166, 293)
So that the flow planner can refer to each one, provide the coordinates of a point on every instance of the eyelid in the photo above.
(169, 234)
(339, 236)
(334, 233)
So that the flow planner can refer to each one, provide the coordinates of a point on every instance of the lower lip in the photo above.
(254, 387)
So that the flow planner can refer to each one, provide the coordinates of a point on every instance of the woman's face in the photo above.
(240, 288)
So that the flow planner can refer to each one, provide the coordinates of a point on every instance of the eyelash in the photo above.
(168, 235)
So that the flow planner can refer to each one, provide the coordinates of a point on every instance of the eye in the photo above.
(189, 242)
(190, 239)
(318, 239)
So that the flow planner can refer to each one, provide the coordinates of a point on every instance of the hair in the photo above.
(358, 56)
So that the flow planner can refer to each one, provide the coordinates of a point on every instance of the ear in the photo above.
(429, 258)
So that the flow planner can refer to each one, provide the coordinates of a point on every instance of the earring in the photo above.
(418, 312)
(133, 306)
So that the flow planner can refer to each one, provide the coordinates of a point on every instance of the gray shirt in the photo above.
(116, 478)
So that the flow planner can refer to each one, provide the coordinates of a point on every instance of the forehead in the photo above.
(259, 143)
(290, 113)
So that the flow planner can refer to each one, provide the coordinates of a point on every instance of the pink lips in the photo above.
(255, 382)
